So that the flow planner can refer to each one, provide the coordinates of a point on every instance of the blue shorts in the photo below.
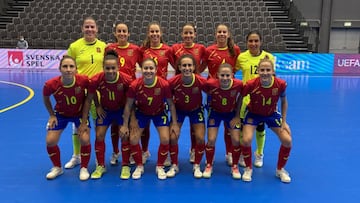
(196, 116)
(215, 118)
(274, 120)
(158, 120)
(63, 121)
(111, 116)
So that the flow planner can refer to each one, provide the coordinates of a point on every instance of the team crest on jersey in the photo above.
(275, 91)
(157, 91)
(130, 52)
(77, 90)
(162, 53)
(120, 87)
(233, 93)
(98, 50)
(196, 51)
(195, 90)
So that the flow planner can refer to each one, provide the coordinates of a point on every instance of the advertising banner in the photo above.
(35, 59)
(347, 64)
(290, 63)
(286, 63)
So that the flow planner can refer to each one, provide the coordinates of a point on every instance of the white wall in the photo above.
(344, 41)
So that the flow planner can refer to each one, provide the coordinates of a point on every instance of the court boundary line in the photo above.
(30, 96)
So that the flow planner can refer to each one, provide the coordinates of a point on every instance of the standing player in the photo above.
(223, 51)
(188, 46)
(265, 92)
(88, 53)
(187, 93)
(129, 55)
(248, 62)
(154, 47)
(69, 93)
(112, 87)
(224, 105)
(149, 92)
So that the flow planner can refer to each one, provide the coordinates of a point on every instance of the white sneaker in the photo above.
(167, 161)
(160, 172)
(192, 156)
(235, 172)
(208, 171)
(132, 161)
(145, 156)
(197, 171)
(84, 174)
(247, 174)
(74, 161)
(54, 172)
(242, 161)
(229, 159)
(174, 169)
(258, 162)
(139, 170)
(283, 175)
(114, 158)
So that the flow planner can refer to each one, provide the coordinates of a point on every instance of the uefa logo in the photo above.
(15, 58)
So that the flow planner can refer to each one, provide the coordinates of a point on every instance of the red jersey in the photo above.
(263, 100)
(112, 94)
(196, 50)
(150, 99)
(187, 97)
(69, 99)
(223, 100)
(128, 57)
(162, 56)
(215, 56)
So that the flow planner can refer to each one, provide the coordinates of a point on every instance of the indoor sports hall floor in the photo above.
(323, 115)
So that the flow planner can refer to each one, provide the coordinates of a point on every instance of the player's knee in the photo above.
(84, 140)
(287, 141)
(246, 141)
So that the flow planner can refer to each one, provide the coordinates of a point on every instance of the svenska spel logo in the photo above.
(15, 58)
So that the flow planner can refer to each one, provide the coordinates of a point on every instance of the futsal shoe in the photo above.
(235, 172)
(160, 172)
(84, 174)
(139, 170)
(258, 162)
(125, 172)
(99, 171)
(208, 171)
(197, 171)
(229, 159)
(54, 172)
(283, 175)
(145, 156)
(74, 161)
(174, 169)
(247, 174)
(115, 158)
